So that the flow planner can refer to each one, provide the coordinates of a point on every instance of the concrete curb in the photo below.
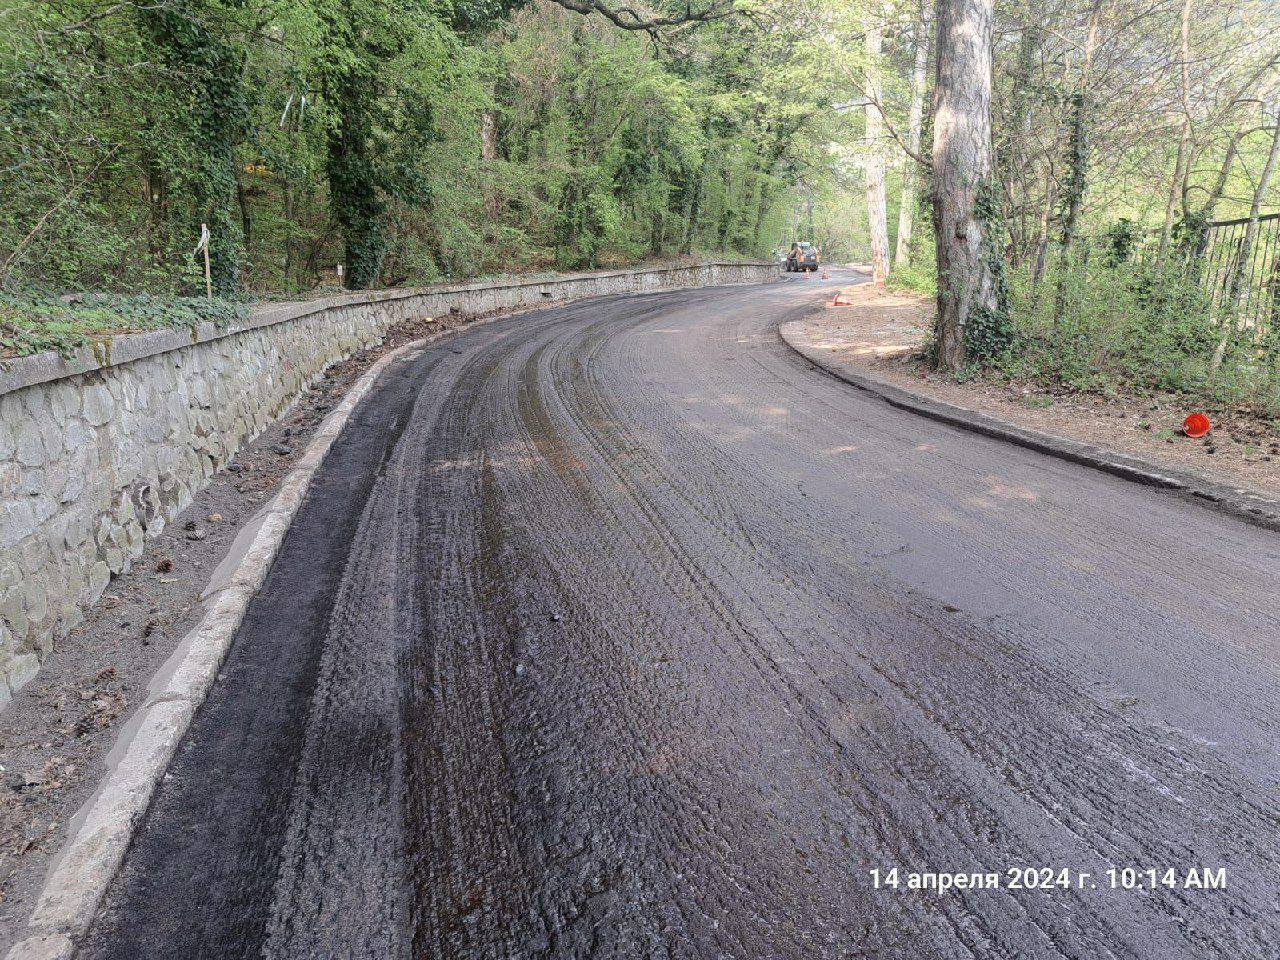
(100, 832)
(1239, 502)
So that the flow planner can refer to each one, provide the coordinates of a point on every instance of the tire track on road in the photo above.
(651, 642)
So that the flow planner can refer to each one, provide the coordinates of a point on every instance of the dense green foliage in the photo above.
(1121, 133)
(416, 140)
(1132, 325)
(1128, 325)
(407, 140)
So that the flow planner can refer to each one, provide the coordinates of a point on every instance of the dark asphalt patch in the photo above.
(566, 666)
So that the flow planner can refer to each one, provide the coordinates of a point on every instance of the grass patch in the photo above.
(32, 322)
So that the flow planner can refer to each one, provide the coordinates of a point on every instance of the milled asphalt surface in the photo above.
(620, 631)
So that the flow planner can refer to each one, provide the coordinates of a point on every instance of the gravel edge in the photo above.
(1239, 502)
(101, 831)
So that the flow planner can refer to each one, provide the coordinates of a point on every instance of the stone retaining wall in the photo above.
(98, 452)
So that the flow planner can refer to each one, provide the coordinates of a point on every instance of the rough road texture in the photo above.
(624, 633)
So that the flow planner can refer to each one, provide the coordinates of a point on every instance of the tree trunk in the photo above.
(693, 213)
(157, 201)
(246, 217)
(693, 208)
(488, 158)
(764, 200)
(915, 115)
(1255, 211)
(1042, 236)
(1077, 179)
(357, 205)
(877, 212)
(1224, 174)
(1078, 158)
(967, 283)
(1175, 189)
(1184, 138)
(1014, 151)
(1229, 318)
(213, 71)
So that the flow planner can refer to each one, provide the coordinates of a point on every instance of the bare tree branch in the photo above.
(105, 13)
(629, 18)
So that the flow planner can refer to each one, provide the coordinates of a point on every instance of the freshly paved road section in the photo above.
(620, 631)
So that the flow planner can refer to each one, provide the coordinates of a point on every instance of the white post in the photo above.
(208, 278)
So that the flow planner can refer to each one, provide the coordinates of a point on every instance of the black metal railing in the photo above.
(1236, 266)
(1239, 270)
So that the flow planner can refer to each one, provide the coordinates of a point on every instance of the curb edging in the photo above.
(1239, 502)
(103, 828)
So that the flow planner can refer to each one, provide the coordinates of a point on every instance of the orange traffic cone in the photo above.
(1196, 425)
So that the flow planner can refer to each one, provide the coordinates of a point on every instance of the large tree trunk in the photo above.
(877, 207)
(915, 117)
(962, 173)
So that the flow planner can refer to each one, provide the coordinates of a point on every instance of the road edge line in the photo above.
(1239, 502)
(103, 827)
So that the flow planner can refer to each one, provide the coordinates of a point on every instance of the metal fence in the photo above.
(1236, 265)
(1239, 269)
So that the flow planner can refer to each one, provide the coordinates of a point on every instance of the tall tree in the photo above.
(1184, 130)
(915, 117)
(964, 201)
(877, 207)
(1077, 165)
(189, 42)
(1244, 257)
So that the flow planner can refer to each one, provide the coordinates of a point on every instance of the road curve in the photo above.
(619, 631)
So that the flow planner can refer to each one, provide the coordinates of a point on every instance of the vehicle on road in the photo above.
(803, 256)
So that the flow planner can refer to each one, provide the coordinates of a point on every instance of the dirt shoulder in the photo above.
(879, 334)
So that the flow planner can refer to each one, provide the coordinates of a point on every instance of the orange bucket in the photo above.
(1196, 425)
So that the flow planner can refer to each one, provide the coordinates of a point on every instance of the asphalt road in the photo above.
(620, 631)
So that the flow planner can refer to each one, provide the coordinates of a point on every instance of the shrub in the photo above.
(1111, 323)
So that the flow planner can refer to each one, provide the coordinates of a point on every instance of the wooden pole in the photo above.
(208, 279)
